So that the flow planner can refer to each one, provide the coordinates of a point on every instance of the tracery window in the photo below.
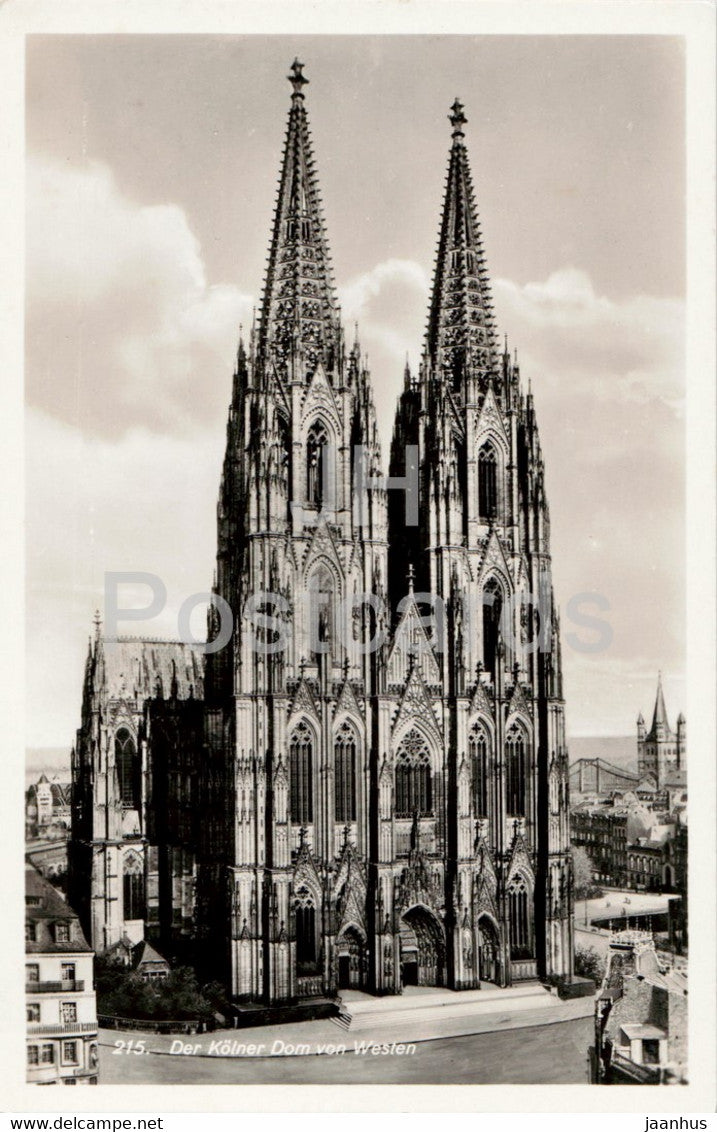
(345, 775)
(301, 775)
(414, 785)
(133, 887)
(520, 920)
(316, 444)
(126, 764)
(487, 482)
(515, 758)
(305, 910)
(478, 753)
(492, 612)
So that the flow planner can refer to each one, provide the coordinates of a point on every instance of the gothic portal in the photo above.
(366, 787)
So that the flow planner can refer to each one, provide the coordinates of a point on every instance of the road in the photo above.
(554, 1054)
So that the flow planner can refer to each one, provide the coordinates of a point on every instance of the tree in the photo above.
(588, 964)
(582, 872)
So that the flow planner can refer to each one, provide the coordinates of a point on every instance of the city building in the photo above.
(661, 752)
(59, 990)
(367, 785)
(47, 809)
(640, 1015)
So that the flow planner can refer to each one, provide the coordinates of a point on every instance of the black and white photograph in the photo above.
(358, 646)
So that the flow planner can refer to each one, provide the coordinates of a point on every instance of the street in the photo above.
(553, 1054)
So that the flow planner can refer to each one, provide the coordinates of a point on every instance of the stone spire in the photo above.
(659, 717)
(299, 318)
(460, 325)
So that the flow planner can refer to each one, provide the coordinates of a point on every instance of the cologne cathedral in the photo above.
(366, 785)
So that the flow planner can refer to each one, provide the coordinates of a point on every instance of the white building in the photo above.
(59, 986)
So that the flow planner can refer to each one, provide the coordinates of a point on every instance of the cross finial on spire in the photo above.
(457, 118)
(297, 79)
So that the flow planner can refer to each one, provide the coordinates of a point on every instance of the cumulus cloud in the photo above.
(629, 350)
(123, 327)
(141, 502)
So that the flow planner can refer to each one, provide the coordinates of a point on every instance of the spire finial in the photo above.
(97, 623)
(411, 577)
(457, 118)
(297, 79)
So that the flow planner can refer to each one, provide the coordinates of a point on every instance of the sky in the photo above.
(151, 173)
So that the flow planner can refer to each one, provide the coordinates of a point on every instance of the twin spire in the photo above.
(300, 319)
(460, 331)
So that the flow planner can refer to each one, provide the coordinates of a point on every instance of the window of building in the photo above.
(30, 931)
(69, 1053)
(47, 1054)
(414, 785)
(32, 973)
(492, 612)
(650, 1051)
(316, 444)
(32, 1011)
(520, 919)
(62, 933)
(68, 971)
(301, 775)
(126, 766)
(133, 887)
(487, 483)
(305, 933)
(68, 1012)
(33, 1055)
(345, 775)
(478, 753)
(515, 757)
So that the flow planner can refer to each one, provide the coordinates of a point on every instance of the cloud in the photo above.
(123, 328)
(632, 350)
(141, 502)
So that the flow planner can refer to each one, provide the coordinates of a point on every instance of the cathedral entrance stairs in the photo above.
(419, 1010)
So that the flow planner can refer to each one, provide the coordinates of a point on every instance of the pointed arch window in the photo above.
(492, 613)
(414, 785)
(478, 752)
(519, 911)
(316, 466)
(133, 887)
(126, 766)
(301, 775)
(321, 589)
(306, 950)
(487, 482)
(345, 775)
(515, 759)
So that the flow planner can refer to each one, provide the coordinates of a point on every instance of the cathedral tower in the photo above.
(493, 680)
(289, 716)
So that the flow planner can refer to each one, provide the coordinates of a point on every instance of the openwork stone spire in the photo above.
(460, 331)
(299, 317)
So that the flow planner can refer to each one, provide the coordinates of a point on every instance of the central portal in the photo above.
(422, 949)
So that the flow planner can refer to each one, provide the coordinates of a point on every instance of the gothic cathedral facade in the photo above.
(366, 785)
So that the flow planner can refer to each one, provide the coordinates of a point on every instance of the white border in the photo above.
(696, 22)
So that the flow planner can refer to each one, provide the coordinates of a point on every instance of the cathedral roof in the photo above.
(460, 325)
(138, 667)
(299, 311)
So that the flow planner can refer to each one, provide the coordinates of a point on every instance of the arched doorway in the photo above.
(351, 953)
(422, 949)
(667, 878)
(489, 951)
